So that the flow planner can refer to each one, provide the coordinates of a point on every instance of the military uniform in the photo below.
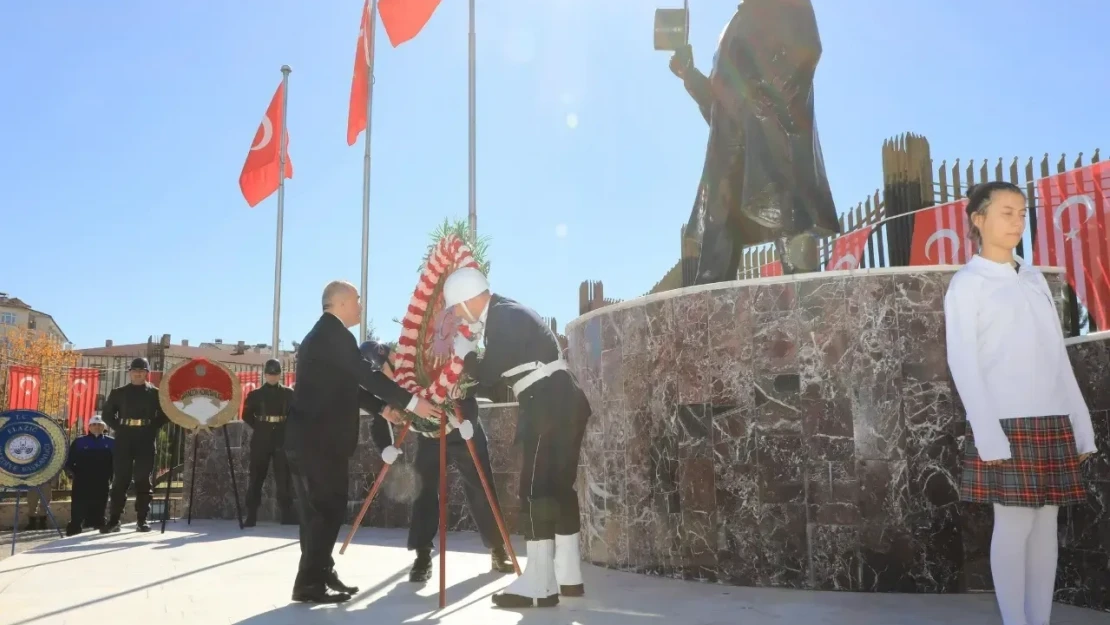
(133, 413)
(521, 350)
(90, 467)
(265, 411)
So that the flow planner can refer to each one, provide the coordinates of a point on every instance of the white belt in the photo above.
(538, 370)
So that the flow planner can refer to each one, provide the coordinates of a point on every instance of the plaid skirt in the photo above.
(1043, 469)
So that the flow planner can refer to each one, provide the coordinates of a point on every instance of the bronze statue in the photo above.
(764, 177)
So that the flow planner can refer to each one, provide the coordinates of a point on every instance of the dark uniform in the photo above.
(424, 524)
(133, 413)
(89, 465)
(551, 422)
(265, 411)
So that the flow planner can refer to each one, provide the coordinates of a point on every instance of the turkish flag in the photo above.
(404, 19)
(259, 177)
(155, 378)
(290, 379)
(360, 83)
(1073, 231)
(24, 384)
(848, 249)
(771, 269)
(248, 381)
(83, 386)
(940, 235)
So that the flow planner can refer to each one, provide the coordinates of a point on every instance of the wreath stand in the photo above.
(20, 490)
(193, 482)
(442, 502)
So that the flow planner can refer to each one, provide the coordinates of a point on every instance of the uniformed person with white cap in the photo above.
(265, 411)
(89, 465)
(521, 350)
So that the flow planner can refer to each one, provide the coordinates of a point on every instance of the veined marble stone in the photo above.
(214, 499)
(801, 432)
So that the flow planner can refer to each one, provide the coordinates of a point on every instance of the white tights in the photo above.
(1023, 563)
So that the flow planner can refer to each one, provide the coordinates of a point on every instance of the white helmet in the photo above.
(97, 420)
(464, 284)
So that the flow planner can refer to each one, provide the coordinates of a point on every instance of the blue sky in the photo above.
(125, 125)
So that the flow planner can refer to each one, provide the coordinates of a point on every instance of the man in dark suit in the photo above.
(322, 433)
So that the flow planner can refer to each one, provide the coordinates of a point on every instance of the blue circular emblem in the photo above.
(33, 448)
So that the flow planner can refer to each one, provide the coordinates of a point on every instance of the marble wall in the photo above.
(799, 432)
(214, 499)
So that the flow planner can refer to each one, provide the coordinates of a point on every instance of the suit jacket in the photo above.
(324, 417)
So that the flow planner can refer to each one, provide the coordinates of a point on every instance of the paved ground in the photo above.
(212, 573)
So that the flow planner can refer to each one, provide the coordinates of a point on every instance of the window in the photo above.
(7, 319)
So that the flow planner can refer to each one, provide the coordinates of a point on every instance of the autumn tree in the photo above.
(40, 351)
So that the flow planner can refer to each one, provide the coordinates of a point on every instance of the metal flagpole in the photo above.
(370, 42)
(285, 70)
(473, 214)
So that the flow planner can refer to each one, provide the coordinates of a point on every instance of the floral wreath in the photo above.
(424, 362)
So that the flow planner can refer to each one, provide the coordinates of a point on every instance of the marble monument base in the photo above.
(801, 432)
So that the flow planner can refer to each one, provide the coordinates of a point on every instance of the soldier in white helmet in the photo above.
(520, 350)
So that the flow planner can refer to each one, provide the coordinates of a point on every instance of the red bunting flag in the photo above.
(940, 235)
(1073, 231)
(290, 379)
(248, 381)
(771, 269)
(84, 383)
(848, 249)
(259, 177)
(24, 384)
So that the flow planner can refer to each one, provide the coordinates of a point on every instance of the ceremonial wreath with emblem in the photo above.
(424, 362)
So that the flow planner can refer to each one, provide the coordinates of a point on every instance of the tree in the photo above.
(30, 348)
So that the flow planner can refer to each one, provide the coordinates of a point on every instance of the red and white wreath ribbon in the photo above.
(449, 254)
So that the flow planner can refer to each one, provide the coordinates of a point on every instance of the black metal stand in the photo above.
(174, 434)
(193, 478)
(234, 486)
(20, 490)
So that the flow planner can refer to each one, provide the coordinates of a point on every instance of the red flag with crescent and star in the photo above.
(259, 178)
(360, 83)
(24, 383)
(248, 381)
(940, 235)
(83, 386)
(771, 270)
(1073, 231)
(848, 249)
(404, 19)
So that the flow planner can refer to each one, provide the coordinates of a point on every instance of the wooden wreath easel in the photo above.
(442, 502)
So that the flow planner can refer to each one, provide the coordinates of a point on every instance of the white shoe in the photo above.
(537, 585)
(568, 566)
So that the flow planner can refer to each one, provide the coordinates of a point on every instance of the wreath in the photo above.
(424, 361)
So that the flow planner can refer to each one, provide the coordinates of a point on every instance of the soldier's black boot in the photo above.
(333, 582)
(42, 522)
(252, 518)
(499, 561)
(73, 529)
(141, 526)
(422, 568)
(112, 526)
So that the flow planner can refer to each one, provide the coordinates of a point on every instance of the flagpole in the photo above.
(285, 70)
(473, 213)
(364, 327)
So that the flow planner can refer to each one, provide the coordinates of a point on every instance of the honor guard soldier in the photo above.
(133, 413)
(520, 349)
(89, 465)
(265, 411)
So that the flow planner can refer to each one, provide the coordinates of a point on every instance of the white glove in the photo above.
(464, 346)
(390, 454)
(466, 430)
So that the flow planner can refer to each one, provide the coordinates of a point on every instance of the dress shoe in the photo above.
(338, 586)
(318, 593)
(422, 568)
(73, 530)
(536, 587)
(500, 562)
(141, 526)
(111, 527)
(252, 518)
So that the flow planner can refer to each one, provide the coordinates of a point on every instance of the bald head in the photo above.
(341, 299)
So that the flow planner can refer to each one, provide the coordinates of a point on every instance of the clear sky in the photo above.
(124, 125)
